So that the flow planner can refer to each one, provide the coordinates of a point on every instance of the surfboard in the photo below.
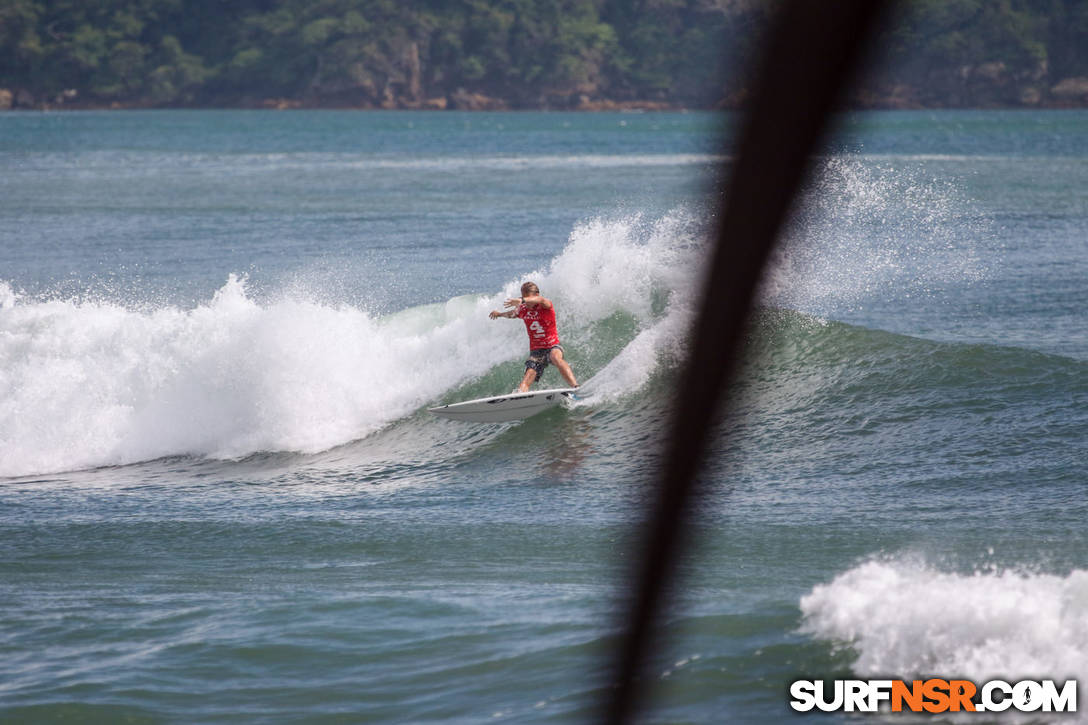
(502, 408)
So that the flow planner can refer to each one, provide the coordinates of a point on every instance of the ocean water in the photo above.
(222, 498)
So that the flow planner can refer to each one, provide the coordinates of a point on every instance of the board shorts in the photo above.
(538, 359)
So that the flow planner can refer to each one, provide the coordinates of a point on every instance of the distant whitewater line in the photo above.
(129, 162)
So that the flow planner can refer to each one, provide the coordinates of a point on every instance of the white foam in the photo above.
(85, 384)
(907, 618)
(91, 384)
(8, 296)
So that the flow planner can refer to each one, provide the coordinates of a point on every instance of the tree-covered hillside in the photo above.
(506, 53)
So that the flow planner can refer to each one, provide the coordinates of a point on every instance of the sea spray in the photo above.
(866, 233)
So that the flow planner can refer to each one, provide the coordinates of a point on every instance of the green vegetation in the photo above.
(506, 53)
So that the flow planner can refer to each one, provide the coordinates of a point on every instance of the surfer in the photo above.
(538, 314)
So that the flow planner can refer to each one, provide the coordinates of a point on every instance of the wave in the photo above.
(850, 396)
(93, 383)
(873, 361)
(88, 382)
(906, 618)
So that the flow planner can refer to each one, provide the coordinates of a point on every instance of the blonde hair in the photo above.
(529, 288)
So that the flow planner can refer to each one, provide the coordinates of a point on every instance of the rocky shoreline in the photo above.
(997, 93)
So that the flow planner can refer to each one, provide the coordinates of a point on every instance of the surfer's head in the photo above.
(529, 288)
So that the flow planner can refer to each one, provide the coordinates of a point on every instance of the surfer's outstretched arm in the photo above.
(509, 313)
(529, 300)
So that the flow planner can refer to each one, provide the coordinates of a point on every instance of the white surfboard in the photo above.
(501, 408)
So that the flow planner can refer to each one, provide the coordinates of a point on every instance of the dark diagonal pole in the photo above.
(812, 50)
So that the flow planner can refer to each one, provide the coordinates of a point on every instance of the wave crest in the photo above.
(92, 383)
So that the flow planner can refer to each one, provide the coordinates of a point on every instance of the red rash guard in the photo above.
(540, 324)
